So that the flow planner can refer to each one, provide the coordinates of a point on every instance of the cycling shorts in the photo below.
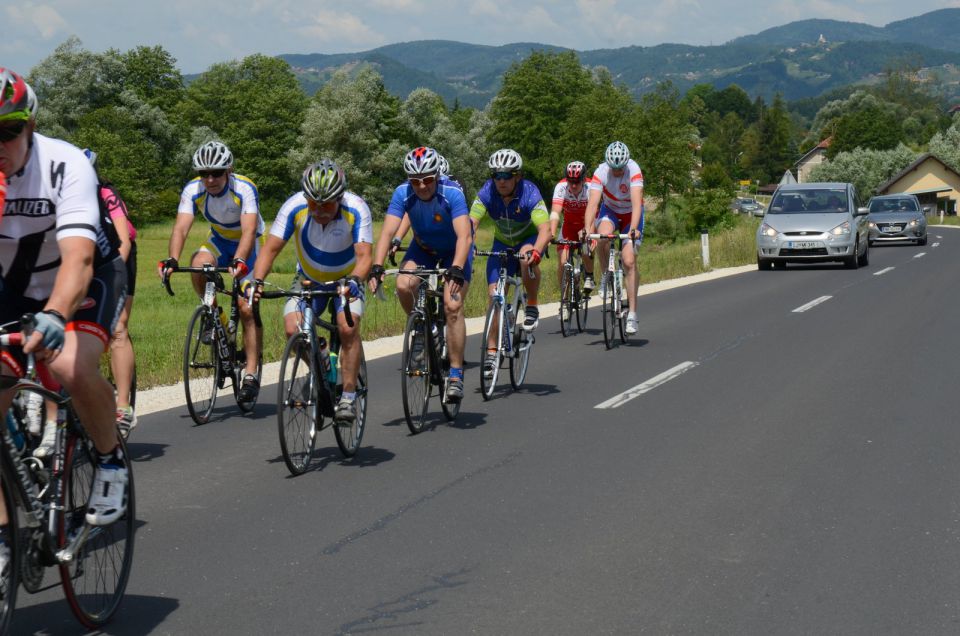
(493, 263)
(421, 258)
(621, 222)
(320, 305)
(223, 250)
(132, 270)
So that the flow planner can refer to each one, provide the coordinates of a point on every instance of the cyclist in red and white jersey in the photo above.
(615, 204)
(569, 206)
(59, 259)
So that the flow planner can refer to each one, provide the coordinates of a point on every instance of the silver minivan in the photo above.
(809, 222)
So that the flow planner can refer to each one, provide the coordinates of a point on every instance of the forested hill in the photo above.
(790, 59)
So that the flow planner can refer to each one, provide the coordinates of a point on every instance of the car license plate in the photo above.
(803, 245)
(890, 229)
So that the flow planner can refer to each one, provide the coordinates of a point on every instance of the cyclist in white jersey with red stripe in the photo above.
(615, 204)
(569, 206)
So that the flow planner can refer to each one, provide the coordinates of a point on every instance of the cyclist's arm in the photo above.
(178, 238)
(364, 254)
(636, 201)
(555, 214)
(248, 234)
(541, 219)
(73, 276)
(462, 226)
(404, 227)
(123, 232)
(593, 204)
(477, 211)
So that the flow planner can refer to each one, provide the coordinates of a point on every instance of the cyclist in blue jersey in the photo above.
(231, 203)
(521, 222)
(442, 235)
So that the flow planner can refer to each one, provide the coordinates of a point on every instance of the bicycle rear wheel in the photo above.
(415, 374)
(495, 314)
(566, 301)
(297, 404)
(522, 346)
(10, 574)
(95, 579)
(608, 309)
(450, 409)
(350, 435)
(201, 370)
(582, 301)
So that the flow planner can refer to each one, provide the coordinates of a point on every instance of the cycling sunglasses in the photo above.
(503, 176)
(216, 174)
(423, 181)
(9, 132)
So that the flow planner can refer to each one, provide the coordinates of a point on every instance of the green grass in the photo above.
(158, 322)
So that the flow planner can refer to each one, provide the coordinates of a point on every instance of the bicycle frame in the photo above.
(427, 303)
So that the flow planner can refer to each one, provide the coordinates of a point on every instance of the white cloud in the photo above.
(484, 8)
(328, 27)
(398, 6)
(43, 18)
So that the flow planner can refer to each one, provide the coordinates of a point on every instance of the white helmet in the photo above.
(505, 160)
(212, 155)
(323, 181)
(617, 155)
(444, 166)
(422, 160)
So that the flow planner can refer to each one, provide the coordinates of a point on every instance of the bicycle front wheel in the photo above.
(9, 576)
(201, 370)
(522, 346)
(582, 301)
(490, 360)
(415, 372)
(566, 302)
(349, 435)
(95, 579)
(608, 309)
(297, 404)
(621, 313)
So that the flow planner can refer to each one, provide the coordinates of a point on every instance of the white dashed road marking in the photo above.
(811, 304)
(920, 255)
(622, 398)
(884, 271)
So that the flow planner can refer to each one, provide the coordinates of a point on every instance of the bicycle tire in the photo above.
(297, 407)
(607, 310)
(450, 409)
(415, 376)
(350, 436)
(488, 385)
(621, 314)
(95, 580)
(522, 346)
(9, 577)
(582, 301)
(566, 302)
(201, 367)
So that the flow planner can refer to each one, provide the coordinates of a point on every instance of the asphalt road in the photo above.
(777, 471)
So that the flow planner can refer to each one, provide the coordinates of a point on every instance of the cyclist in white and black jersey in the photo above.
(58, 261)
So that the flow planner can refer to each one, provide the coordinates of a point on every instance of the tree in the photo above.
(864, 168)
(872, 128)
(663, 142)
(946, 145)
(723, 142)
(151, 73)
(769, 146)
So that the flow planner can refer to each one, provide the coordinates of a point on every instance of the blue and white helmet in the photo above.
(444, 166)
(617, 155)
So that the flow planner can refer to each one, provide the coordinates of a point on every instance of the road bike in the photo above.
(46, 502)
(614, 305)
(425, 364)
(573, 300)
(504, 326)
(212, 352)
(310, 382)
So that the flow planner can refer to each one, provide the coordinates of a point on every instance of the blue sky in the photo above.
(202, 32)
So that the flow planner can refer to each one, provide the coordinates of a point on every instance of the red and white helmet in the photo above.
(422, 160)
(15, 103)
(574, 171)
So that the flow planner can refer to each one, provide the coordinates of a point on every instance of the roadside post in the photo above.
(705, 248)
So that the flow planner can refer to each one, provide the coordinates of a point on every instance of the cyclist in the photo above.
(333, 230)
(60, 260)
(521, 222)
(442, 235)
(231, 203)
(616, 191)
(570, 204)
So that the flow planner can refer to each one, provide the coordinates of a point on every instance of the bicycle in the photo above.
(211, 353)
(46, 503)
(611, 291)
(426, 358)
(573, 301)
(308, 390)
(513, 343)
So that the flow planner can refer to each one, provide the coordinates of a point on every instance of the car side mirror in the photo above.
(862, 211)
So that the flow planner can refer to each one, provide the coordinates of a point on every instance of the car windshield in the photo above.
(824, 200)
(893, 205)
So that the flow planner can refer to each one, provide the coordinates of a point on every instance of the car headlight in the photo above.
(842, 229)
(766, 230)
(872, 224)
(914, 223)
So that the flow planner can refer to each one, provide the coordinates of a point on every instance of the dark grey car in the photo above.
(897, 218)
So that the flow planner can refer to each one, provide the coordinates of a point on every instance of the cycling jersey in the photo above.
(574, 206)
(514, 221)
(116, 207)
(325, 254)
(53, 197)
(239, 196)
(431, 221)
(617, 190)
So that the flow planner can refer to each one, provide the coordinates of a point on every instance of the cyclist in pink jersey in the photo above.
(615, 205)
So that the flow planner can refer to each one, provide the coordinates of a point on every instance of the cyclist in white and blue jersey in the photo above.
(332, 230)
(442, 236)
(231, 203)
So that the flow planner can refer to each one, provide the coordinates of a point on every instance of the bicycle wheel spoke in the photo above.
(415, 373)
(200, 370)
(297, 405)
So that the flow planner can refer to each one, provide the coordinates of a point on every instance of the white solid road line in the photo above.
(811, 304)
(884, 271)
(622, 398)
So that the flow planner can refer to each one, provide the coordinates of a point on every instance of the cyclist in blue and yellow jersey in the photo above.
(333, 233)
(231, 203)
(521, 222)
(442, 236)
(615, 202)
